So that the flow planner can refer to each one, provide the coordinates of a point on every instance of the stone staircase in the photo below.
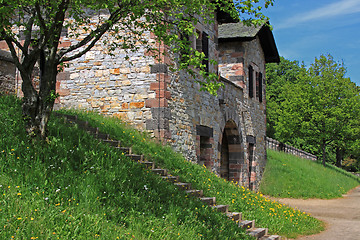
(249, 225)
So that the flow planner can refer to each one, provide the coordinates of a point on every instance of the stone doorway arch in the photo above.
(232, 152)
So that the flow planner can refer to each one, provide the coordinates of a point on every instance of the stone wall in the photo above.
(226, 133)
(7, 73)
(235, 59)
(110, 84)
(225, 130)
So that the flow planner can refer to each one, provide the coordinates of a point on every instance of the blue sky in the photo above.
(305, 29)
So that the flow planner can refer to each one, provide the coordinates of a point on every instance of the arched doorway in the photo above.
(232, 153)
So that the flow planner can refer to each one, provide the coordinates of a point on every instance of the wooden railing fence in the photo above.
(279, 146)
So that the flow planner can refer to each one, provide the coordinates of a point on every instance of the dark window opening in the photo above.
(205, 50)
(251, 82)
(260, 80)
(185, 48)
(257, 85)
(198, 41)
(202, 45)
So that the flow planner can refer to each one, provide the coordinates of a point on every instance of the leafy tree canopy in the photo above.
(318, 109)
(32, 30)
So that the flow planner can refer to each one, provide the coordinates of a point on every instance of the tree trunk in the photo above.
(37, 106)
(339, 157)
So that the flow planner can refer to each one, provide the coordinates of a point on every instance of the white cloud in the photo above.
(339, 8)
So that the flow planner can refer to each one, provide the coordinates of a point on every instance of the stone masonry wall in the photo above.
(203, 127)
(234, 60)
(7, 73)
(110, 84)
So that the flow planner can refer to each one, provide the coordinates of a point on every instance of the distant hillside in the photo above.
(290, 176)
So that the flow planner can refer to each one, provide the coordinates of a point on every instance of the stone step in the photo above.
(195, 193)
(235, 216)
(113, 143)
(172, 179)
(271, 237)
(221, 208)
(82, 124)
(125, 150)
(246, 224)
(160, 171)
(209, 200)
(257, 232)
(91, 130)
(183, 186)
(70, 117)
(102, 136)
(148, 165)
(135, 157)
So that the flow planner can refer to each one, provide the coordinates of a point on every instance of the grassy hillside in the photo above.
(76, 187)
(290, 176)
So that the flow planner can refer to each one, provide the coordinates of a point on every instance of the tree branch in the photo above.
(91, 38)
(29, 27)
(41, 19)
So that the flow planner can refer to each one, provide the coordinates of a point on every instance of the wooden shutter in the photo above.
(205, 50)
(251, 82)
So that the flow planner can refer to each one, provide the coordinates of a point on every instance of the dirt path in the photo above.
(342, 215)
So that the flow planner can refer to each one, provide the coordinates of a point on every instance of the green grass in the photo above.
(290, 176)
(75, 187)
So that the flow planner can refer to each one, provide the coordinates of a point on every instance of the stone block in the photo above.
(90, 55)
(63, 76)
(163, 77)
(161, 113)
(122, 115)
(137, 104)
(156, 102)
(237, 66)
(152, 124)
(162, 133)
(163, 94)
(125, 70)
(159, 68)
(157, 86)
(64, 44)
(115, 71)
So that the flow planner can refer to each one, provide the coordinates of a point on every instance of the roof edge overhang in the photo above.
(267, 42)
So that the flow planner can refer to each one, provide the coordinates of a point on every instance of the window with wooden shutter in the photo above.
(257, 85)
(205, 50)
(260, 86)
(251, 82)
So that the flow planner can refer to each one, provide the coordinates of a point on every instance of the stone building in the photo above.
(7, 73)
(226, 133)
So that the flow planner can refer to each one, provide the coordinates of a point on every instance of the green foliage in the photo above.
(277, 75)
(75, 187)
(288, 176)
(32, 29)
(315, 109)
(42, 22)
(278, 218)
